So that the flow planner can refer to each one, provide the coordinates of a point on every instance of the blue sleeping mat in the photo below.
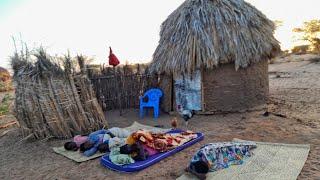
(140, 165)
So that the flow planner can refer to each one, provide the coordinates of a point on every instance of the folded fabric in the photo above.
(120, 159)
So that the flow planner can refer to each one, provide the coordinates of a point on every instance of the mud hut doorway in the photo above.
(187, 88)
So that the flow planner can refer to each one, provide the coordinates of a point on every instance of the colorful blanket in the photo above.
(270, 161)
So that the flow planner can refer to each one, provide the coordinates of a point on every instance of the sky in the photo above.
(131, 28)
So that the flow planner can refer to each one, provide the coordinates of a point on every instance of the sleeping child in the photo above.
(216, 156)
(98, 140)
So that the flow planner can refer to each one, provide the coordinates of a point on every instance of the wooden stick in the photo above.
(8, 124)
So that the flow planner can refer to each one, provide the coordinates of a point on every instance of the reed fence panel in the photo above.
(121, 87)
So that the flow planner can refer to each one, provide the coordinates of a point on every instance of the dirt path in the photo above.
(294, 95)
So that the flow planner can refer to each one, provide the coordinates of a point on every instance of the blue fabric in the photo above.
(102, 136)
(91, 151)
(95, 138)
(154, 96)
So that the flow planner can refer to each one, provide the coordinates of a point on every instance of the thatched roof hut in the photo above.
(210, 36)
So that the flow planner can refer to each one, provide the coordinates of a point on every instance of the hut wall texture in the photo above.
(228, 90)
(165, 85)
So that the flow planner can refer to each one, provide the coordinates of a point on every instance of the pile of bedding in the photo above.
(142, 144)
(126, 147)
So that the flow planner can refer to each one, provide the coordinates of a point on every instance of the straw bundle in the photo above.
(52, 101)
(206, 33)
(4, 74)
(5, 80)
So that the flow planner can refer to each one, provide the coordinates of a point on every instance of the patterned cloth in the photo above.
(161, 141)
(222, 155)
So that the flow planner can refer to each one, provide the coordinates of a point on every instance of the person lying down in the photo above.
(142, 144)
(215, 156)
(126, 148)
(98, 141)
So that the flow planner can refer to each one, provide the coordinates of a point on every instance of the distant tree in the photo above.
(311, 33)
(302, 49)
(278, 23)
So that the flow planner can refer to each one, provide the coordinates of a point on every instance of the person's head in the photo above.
(200, 167)
(71, 146)
(86, 146)
(104, 147)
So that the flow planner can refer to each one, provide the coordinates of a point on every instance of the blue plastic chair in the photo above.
(153, 96)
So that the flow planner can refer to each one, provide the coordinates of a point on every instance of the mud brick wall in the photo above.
(228, 90)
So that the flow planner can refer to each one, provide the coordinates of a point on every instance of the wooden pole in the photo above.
(117, 87)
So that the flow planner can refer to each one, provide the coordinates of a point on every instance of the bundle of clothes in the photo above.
(125, 147)
(216, 156)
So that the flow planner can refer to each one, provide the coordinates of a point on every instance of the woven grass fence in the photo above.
(120, 87)
(54, 99)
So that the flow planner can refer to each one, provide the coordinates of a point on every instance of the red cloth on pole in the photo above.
(113, 60)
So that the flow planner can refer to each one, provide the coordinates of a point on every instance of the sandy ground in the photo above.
(294, 95)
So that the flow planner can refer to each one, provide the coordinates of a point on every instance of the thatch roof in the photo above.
(206, 33)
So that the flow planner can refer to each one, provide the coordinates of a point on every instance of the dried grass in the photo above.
(206, 33)
(51, 100)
